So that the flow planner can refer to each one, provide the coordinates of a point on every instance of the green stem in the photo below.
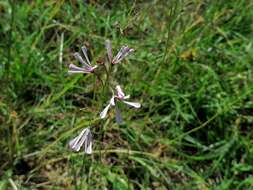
(12, 3)
(82, 171)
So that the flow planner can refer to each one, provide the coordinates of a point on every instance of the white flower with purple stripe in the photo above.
(86, 64)
(123, 52)
(120, 96)
(84, 139)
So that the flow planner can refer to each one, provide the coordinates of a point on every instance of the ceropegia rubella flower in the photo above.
(123, 52)
(86, 64)
(84, 139)
(120, 96)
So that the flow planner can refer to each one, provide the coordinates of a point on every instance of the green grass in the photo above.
(192, 72)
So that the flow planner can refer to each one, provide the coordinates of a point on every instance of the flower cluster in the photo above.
(86, 65)
(84, 139)
(120, 96)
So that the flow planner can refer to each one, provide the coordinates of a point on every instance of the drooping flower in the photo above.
(123, 52)
(86, 64)
(120, 96)
(84, 139)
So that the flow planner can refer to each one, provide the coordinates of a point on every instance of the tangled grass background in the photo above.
(192, 72)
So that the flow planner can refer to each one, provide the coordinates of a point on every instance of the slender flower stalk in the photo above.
(120, 96)
(86, 64)
(123, 52)
(84, 139)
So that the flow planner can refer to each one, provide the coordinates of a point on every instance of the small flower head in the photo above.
(84, 139)
(123, 52)
(120, 96)
(86, 65)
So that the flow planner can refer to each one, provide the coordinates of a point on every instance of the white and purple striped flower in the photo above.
(120, 96)
(86, 64)
(84, 139)
(123, 52)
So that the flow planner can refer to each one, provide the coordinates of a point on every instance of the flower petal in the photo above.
(119, 54)
(76, 143)
(108, 47)
(93, 68)
(126, 97)
(80, 59)
(112, 101)
(104, 112)
(88, 149)
(133, 104)
(72, 143)
(84, 50)
(119, 91)
(72, 72)
(88, 143)
(118, 115)
(126, 51)
(74, 67)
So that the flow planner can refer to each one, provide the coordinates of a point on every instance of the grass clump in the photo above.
(192, 71)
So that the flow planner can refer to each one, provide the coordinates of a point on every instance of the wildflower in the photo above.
(120, 96)
(84, 139)
(86, 65)
(123, 52)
